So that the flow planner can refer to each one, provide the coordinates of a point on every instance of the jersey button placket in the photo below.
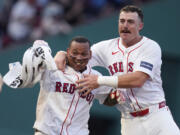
(125, 64)
(126, 71)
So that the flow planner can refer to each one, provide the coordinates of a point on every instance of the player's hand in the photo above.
(87, 84)
(115, 97)
(60, 60)
(118, 96)
(1, 83)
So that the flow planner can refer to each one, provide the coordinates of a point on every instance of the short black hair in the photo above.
(133, 8)
(80, 39)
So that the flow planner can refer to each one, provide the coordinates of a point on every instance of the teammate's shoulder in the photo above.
(151, 43)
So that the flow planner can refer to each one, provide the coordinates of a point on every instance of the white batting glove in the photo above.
(119, 96)
(1, 82)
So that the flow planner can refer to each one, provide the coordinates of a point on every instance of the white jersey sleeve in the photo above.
(149, 60)
(97, 55)
(101, 92)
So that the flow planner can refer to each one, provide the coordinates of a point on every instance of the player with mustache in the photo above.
(134, 62)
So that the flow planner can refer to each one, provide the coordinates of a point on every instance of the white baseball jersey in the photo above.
(61, 110)
(144, 56)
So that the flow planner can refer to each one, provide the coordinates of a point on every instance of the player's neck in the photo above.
(132, 42)
(82, 70)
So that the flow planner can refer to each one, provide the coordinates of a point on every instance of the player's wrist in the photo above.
(111, 81)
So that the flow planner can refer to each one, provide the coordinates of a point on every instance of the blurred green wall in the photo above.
(17, 107)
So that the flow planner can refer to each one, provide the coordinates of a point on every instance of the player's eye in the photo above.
(75, 53)
(130, 21)
(84, 54)
(121, 20)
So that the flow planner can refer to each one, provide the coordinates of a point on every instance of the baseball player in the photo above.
(134, 61)
(61, 109)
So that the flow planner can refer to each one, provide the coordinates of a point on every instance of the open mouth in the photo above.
(79, 63)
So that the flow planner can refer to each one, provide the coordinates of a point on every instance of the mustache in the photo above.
(125, 31)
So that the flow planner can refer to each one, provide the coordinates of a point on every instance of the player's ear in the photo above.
(90, 54)
(141, 25)
(67, 50)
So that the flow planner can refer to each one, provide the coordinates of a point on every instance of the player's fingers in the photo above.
(79, 86)
(60, 60)
(82, 89)
(119, 100)
(117, 93)
(62, 68)
(87, 92)
(112, 95)
(85, 75)
(81, 82)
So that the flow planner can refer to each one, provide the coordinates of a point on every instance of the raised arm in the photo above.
(60, 60)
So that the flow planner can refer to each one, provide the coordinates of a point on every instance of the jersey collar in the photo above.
(122, 47)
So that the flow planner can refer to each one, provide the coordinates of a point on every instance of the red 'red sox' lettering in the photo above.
(70, 88)
(130, 67)
(118, 67)
(65, 87)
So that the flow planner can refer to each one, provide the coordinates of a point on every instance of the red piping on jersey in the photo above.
(136, 99)
(67, 115)
(68, 110)
(75, 105)
(127, 72)
(120, 48)
(72, 116)
(74, 109)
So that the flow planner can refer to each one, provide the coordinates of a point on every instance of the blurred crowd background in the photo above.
(28, 20)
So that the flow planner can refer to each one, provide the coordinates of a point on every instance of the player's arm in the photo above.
(130, 80)
(60, 60)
